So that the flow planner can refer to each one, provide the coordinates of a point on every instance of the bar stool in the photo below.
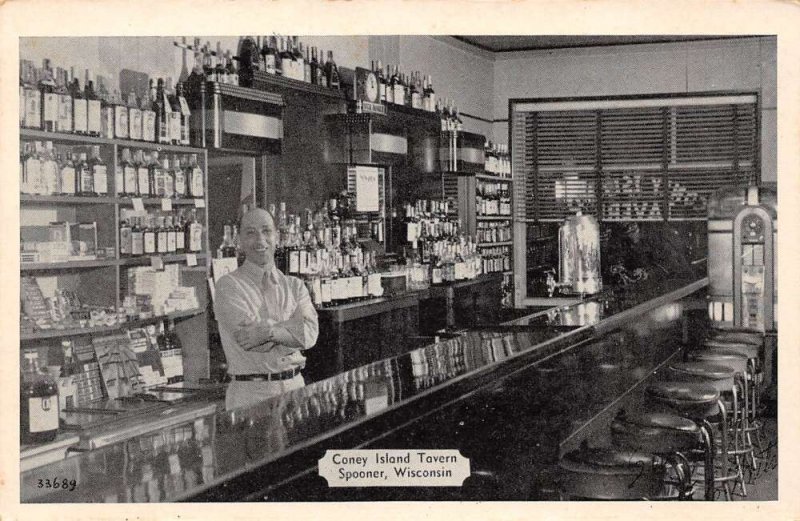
(740, 425)
(697, 402)
(610, 474)
(666, 435)
(729, 384)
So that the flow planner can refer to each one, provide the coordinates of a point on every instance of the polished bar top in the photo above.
(212, 451)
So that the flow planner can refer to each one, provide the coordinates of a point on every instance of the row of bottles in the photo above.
(438, 251)
(490, 231)
(229, 247)
(280, 55)
(146, 175)
(159, 233)
(497, 160)
(63, 170)
(496, 259)
(326, 253)
(492, 198)
(53, 101)
(450, 116)
(413, 90)
(48, 170)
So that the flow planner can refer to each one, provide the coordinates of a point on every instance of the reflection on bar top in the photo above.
(179, 461)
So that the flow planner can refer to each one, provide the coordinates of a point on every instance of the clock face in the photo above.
(371, 87)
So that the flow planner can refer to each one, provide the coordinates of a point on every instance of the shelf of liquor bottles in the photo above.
(28, 134)
(107, 229)
(97, 330)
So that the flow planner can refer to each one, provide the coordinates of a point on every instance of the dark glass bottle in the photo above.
(39, 418)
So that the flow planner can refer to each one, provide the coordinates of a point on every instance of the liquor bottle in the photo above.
(67, 173)
(99, 172)
(31, 95)
(430, 96)
(107, 109)
(226, 249)
(161, 235)
(158, 180)
(306, 64)
(149, 235)
(125, 238)
(49, 98)
(50, 172)
(126, 175)
(121, 125)
(39, 418)
(180, 236)
(459, 124)
(27, 159)
(283, 63)
(332, 72)
(194, 234)
(179, 177)
(268, 54)
(84, 175)
(230, 72)
(134, 118)
(94, 122)
(143, 187)
(416, 95)
(64, 101)
(80, 108)
(237, 251)
(148, 115)
(169, 179)
(299, 59)
(208, 66)
(322, 77)
(196, 181)
(31, 169)
(399, 91)
(185, 115)
(162, 110)
(220, 74)
(381, 81)
(137, 237)
(175, 116)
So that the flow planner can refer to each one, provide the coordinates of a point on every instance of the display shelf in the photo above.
(67, 265)
(491, 244)
(155, 201)
(493, 217)
(145, 260)
(490, 177)
(263, 80)
(61, 333)
(64, 199)
(41, 135)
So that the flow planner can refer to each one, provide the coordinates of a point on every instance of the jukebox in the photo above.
(742, 265)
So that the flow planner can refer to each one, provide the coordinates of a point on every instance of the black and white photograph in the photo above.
(264, 263)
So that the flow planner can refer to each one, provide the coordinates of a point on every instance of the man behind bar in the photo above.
(266, 319)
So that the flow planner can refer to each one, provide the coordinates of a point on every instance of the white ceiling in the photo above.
(531, 42)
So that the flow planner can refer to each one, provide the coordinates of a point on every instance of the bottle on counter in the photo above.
(39, 413)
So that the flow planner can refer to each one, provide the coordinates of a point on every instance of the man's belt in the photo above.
(269, 377)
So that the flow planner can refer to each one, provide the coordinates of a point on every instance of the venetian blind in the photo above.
(632, 159)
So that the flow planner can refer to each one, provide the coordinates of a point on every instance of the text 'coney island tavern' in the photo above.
(383, 458)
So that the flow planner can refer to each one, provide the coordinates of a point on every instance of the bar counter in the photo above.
(510, 397)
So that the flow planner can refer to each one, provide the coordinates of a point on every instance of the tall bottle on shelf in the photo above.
(39, 411)
(64, 101)
(99, 172)
(49, 98)
(94, 114)
(80, 107)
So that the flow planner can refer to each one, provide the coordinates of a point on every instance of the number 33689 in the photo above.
(66, 484)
